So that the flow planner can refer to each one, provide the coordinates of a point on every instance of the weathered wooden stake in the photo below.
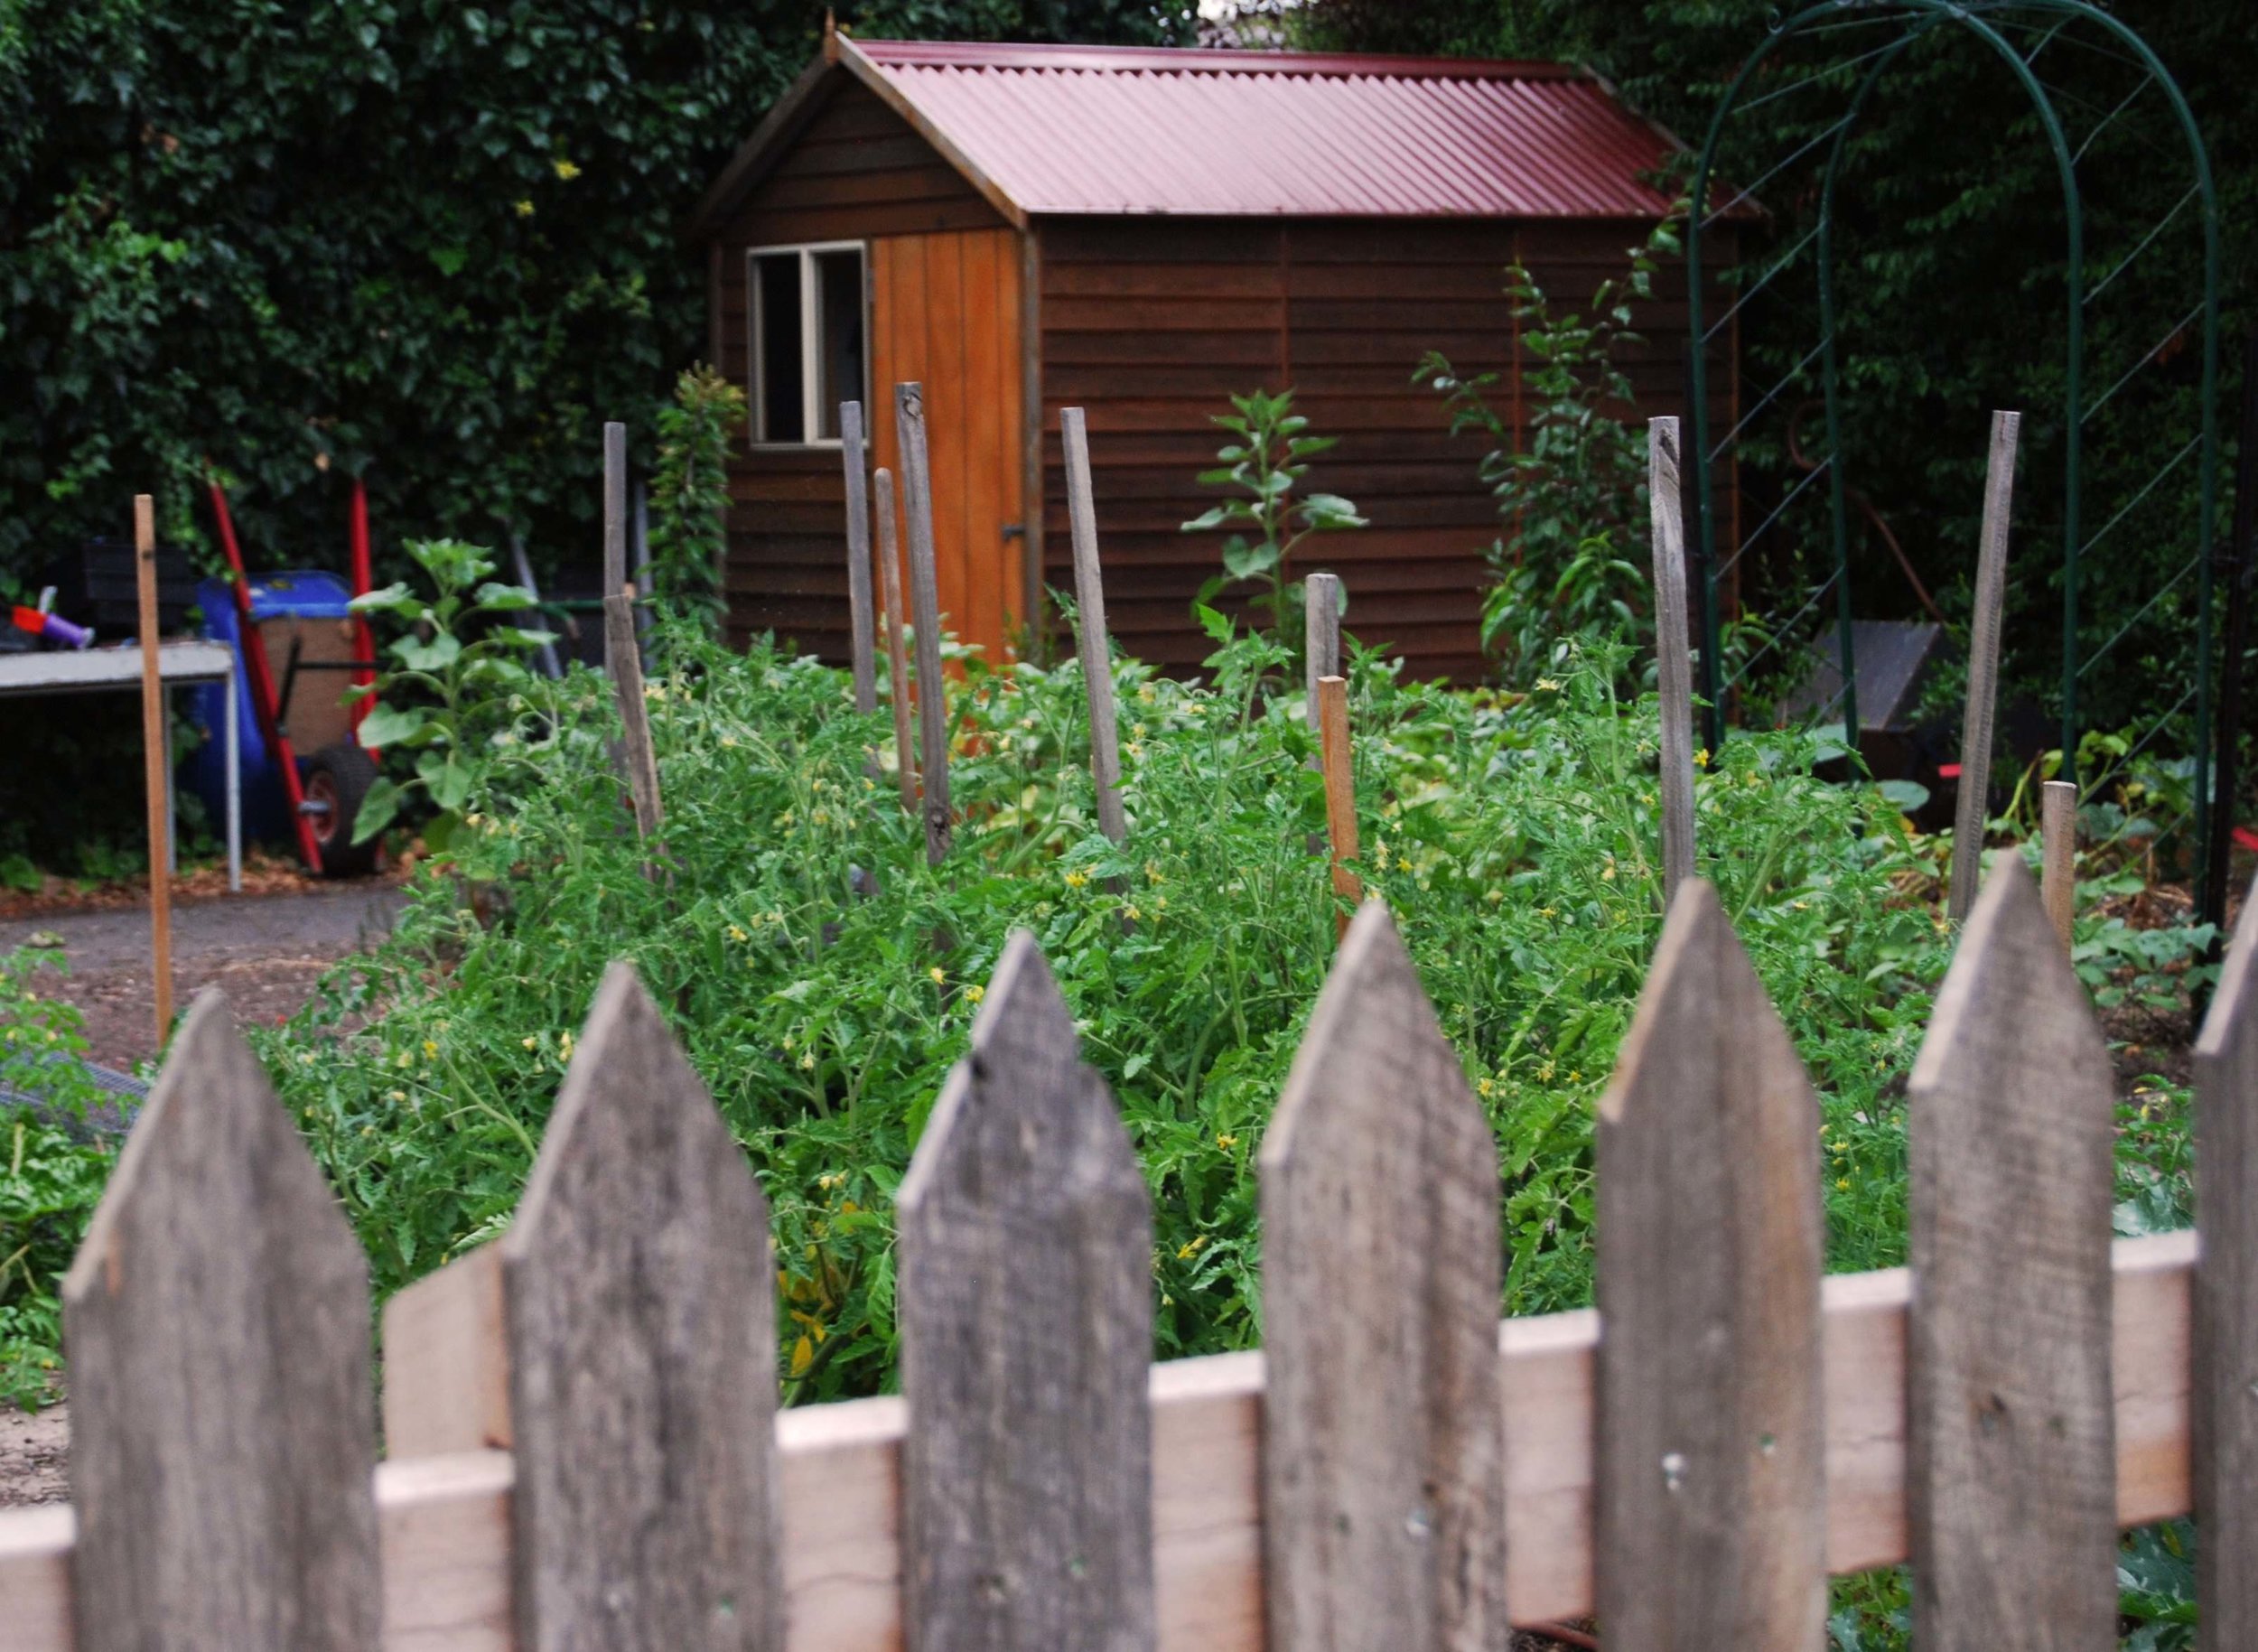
(1340, 788)
(925, 597)
(1984, 667)
(2225, 1395)
(615, 572)
(1673, 657)
(1090, 594)
(636, 755)
(1321, 634)
(156, 764)
(2058, 840)
(858, 537)
(897, 653)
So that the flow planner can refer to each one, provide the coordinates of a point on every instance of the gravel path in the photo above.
(264, 951)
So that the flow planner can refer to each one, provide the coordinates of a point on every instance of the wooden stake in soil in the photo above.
(157, 761)
(1984, 667)
(897, 653)
(626, 667)
(1674, 657)
(614, 510)
(925, 596)
(2057, 839)
(1320, 633)
(1340, 787)
(858, 536)
(1089, 591)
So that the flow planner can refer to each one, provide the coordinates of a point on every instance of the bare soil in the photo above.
(34, 1456)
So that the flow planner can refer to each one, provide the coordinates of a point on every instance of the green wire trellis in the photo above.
(2045, 22)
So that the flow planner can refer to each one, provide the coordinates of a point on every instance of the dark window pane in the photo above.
(839, 336)
(776, 319)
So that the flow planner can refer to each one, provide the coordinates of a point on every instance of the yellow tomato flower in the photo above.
(530, 1043)
(1227, 1142)
(973, 994)
(1486, 1088)
(807, 1062)
(1075, 880)
(939, 977)
(735, 933)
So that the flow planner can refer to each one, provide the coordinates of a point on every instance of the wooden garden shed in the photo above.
(1141, 232)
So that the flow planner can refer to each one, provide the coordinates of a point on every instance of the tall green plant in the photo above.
(689, 536)
(459, 693)
(1573, 495)
(1265, 463)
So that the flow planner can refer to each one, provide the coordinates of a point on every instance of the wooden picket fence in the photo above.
(584, 1450)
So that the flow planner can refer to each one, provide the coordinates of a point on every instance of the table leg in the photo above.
(235, 788)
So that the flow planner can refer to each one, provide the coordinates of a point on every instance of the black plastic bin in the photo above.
(96, 585)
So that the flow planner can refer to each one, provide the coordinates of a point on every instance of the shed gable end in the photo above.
(858, 169)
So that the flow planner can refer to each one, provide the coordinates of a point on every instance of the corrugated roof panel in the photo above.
(1099, 130)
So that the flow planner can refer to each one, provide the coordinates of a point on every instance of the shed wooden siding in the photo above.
(857, 172)
(1150, 325)
(946, 312)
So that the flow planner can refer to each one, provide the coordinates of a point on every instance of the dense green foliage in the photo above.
(1950, 256)
(1514, 837)
(432, 244)
(689, 533)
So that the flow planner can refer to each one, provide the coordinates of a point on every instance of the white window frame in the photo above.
(809, 343)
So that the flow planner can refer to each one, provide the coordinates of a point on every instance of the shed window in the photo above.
(807, 336)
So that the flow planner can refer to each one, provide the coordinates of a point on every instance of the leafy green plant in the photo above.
(449, 702)
(49, 1183)
(689, 536)
(1574, 496)
(1268, 458)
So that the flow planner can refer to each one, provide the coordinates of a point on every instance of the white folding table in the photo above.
(91, 670)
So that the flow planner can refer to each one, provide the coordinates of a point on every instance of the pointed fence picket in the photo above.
(585, 1448)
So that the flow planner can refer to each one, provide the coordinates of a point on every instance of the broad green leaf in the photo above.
(389, 726)
(378, 807)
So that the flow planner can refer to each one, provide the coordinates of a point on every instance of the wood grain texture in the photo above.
(156, 765)
(897, 653)
(1384, 1524)
(615, 572)
(2010, 1482)
(642, 1356)
(222, 1423)
(1320, 635)
(1673, 657)
(446, 1376)
(1973, 803)
(1712, 1427)
(2225, 1381)
(862, 657)
(445, 1520)
(1097, 652)
(623, 662)
(924, 607)
(2057, 856)
(1026, 1316)
(1336, 760)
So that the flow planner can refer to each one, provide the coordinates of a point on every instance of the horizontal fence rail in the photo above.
(585, 1448)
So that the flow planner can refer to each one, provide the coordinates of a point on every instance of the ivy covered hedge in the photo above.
(432, 242)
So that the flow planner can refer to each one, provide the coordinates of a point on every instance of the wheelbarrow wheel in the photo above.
(336, 779)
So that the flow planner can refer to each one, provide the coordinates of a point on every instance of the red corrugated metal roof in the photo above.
(1118, 130)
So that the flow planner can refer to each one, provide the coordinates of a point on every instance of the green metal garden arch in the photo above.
(1989, 22)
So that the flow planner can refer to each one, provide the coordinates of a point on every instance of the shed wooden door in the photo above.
(945, 310)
